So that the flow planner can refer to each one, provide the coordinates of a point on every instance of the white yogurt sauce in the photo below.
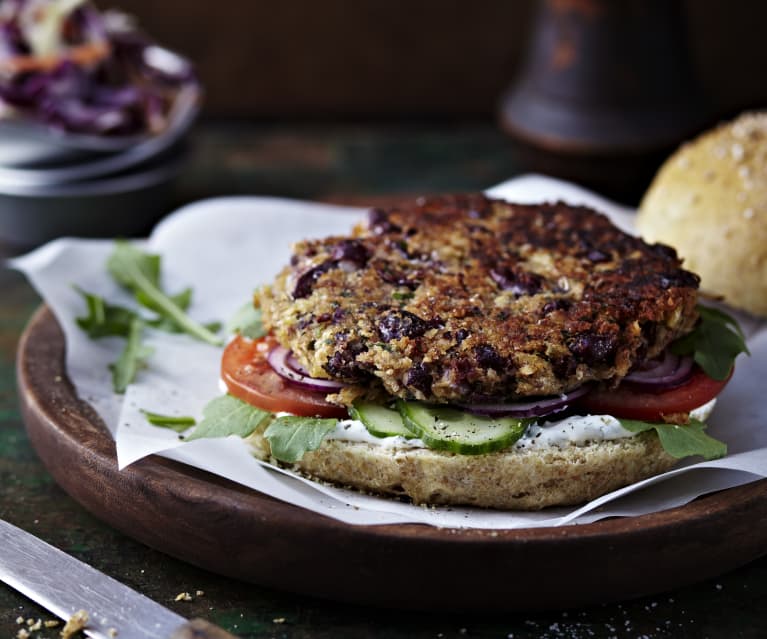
(353, 430)
(576, 430)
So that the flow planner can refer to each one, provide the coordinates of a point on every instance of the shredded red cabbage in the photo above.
(126, 91)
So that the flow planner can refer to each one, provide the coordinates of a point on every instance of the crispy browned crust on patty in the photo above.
(464, 298)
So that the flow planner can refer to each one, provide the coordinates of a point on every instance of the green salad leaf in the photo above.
(132, 357)
(162, 321)
(140, 273)
(104, 319)
(714, 343)
(182, 300)
(290, 437)
(227, 415)
(178, 423)
(247, 322)
(686, 440)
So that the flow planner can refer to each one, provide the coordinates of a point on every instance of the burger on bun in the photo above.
(465, 350)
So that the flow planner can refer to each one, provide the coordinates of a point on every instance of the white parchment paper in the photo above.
(225, 248)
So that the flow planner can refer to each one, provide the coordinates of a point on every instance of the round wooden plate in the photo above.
(228, 529)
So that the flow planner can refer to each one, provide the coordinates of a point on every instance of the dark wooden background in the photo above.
(332, 59)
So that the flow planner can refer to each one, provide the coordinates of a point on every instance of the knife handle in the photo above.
(200, 629)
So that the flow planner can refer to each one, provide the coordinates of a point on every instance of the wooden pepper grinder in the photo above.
(606, 92)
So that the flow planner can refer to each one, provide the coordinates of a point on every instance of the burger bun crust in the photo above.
(709, 201)
(514, 479)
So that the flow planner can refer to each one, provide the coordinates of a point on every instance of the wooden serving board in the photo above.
(228, 529)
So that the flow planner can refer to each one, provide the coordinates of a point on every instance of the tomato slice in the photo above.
(632, 403)
(249, 377)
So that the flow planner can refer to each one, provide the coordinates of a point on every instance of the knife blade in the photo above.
(64, 585)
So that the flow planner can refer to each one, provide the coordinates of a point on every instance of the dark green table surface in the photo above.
(341, 163)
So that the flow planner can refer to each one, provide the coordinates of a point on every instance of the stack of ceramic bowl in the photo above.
(56, 184)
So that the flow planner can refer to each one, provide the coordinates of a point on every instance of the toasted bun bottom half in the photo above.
(515, 479)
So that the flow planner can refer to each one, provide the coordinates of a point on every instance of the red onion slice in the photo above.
(294, 365)
(661, 366)
(279, 359)
(667, 371)
(535, 408)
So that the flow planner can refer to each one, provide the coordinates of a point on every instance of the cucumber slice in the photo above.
(445, 428)
(379, 420)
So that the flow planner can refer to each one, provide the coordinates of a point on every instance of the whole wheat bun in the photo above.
(709, 201)
(514, 479)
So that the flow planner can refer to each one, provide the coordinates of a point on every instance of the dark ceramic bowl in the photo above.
(30, 146)
(121, 205)
(35, 161)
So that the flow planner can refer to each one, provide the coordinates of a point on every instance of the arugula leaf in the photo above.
(213, 327)
(228, 415)
(132, 357)
(290, 436)
(714, 344)
(140, 273)
(182, 300)
(148, 264)
(165, 323)
(104, 319)
(247, 322)
(179, 424)
(168, 324)
(681, 440)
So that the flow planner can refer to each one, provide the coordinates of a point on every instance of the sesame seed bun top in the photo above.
(709, 201)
